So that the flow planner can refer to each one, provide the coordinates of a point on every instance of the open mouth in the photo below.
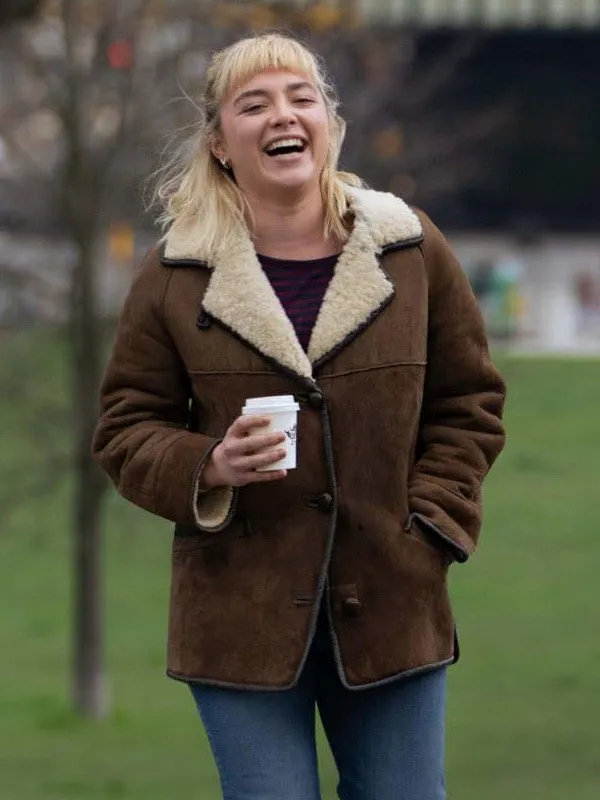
(284, 147)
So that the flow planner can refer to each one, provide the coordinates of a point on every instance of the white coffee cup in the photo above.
(283, 412)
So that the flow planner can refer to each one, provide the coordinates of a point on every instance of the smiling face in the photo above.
(274, 130)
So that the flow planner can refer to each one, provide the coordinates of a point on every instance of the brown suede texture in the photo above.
(412, 411)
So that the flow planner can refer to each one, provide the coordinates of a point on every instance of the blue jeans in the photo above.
(387, 742)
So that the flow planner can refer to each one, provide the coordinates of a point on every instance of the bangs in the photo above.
(247, 58)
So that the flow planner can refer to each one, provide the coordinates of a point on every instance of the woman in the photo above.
(326, 585)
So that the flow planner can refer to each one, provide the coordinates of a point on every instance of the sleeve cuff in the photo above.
(214, 508)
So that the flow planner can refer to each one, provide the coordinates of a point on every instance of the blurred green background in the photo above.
(484, 114)
(524, 700)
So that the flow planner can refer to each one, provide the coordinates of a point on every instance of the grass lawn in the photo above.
(524, 701)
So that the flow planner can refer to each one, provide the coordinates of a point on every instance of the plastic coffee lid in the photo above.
(270, 405)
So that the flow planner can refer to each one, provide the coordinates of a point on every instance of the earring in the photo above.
(225, 163)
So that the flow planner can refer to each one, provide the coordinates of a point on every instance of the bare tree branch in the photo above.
(134, 29)
(107, 115)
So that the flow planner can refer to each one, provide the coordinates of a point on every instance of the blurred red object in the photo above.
(120, 54)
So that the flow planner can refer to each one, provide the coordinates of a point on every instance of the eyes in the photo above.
(256, 108)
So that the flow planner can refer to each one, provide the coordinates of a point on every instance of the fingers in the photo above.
(244, 450)
(246, 444)
(243, 462)
(243, 425)
(258, 442)
(263, 459)
(266, 477)
(238, 450)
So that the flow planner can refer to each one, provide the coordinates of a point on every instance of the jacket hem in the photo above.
(353, 687)
(398, 676)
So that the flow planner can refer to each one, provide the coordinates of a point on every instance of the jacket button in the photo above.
(315, 399)
(203, 321)
(322, 502)
(351, 607)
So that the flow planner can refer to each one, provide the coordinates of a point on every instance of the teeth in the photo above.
(285, 143)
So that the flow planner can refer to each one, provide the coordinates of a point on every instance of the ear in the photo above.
(217, 147)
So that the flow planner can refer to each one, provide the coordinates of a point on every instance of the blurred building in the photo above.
(527, 231)
(525, 224)
(484, 13)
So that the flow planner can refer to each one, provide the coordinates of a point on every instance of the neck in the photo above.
(293, 228)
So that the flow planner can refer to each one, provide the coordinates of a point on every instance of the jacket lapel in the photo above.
(240, 296)
(360, 288)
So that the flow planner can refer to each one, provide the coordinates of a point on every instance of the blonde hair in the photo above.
(193, 190)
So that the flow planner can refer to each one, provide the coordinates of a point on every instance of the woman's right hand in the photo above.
(234, 461)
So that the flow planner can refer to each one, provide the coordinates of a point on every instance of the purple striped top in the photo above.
(300, 287)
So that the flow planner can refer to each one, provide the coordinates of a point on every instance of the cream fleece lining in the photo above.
(240, 296)
(213, 506)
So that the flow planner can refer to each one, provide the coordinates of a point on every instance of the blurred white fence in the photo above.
(35, 280)
(485, 13)
(541, 297)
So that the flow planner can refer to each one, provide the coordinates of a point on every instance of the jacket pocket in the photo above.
(188, 538)
(419, 528)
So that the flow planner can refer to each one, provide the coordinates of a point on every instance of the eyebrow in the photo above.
(290, 87)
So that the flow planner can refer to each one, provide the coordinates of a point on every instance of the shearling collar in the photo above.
(240, 296)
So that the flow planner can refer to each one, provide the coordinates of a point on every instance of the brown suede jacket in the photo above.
(400, 421)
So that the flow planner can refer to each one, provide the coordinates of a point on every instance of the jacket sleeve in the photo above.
(461, 431)
(141, 439)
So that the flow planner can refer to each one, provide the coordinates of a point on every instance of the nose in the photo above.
(284, 113)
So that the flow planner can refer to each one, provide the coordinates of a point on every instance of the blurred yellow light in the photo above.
(121, 242)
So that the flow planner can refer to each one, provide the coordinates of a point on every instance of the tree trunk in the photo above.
(89, 677)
